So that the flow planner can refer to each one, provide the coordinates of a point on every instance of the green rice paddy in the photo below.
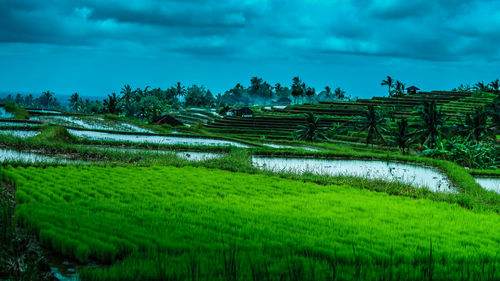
(195, 223)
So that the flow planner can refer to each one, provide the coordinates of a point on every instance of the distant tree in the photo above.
(311, 131)
(235, 95)
(197, 96)
(372, 123)
(180, 91)
(495, 85)
(19, 99)
(462, 88)
(266, 92)
(430, 124)
(389, 83)
(111, 104)
(402, 135)
(129, 101)
(281, 92)
(255, 86)
(298, 88)
(328, 90)
(475, 125)
(310, 93)
(29, 101)
(209, 99)
(494, 113)
(75, 103)
(399, 88)
(47, 99)
(218, 100)
(480, 86)
(339, 93)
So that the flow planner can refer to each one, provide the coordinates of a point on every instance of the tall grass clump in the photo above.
(17, 111)
(56, 134)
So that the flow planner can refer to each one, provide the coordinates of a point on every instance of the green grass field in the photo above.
(195, 223)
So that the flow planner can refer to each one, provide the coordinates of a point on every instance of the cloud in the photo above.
(294, 29)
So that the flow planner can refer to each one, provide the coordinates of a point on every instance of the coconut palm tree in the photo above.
(399, 88)
(494, 113)
(389, 82)
(475, 125)
(372, 122)
(310, 92)
(311, 131)
(180, 90)
(298, 88)
(75, 102)
(430, 124)
(111, 104)
(339, 93)
(495, 85)
(46, 99)
(480, 86)
(403, 137)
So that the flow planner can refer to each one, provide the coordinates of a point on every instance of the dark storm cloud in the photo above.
(420, 29)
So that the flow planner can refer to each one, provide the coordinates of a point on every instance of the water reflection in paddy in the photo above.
(489, 183)
(154, 139)
(414, 175)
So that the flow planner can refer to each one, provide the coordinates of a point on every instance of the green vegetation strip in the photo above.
(18, 112)
(180, 222)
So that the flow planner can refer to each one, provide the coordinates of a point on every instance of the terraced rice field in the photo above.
(205, 224)
(282, 123)
(90, 123)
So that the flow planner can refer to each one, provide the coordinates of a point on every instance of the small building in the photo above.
(168, 119)
(412, 90)
(243, 112)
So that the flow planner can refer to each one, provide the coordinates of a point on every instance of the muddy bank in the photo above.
(21, 257)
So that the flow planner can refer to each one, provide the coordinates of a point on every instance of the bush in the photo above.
(17, 111)
(481, 155)
(55, 134)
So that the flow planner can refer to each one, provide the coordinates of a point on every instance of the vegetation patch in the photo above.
(222, 223)
(55, 134)
(18, 112)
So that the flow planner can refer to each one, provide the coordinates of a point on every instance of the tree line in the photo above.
(149, 103)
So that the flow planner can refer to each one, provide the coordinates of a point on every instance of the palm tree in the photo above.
(494, 112)
(126, 92)
(389, 82)
(402, 135)
(430, 124)
(180, 90)
(310, 92)
(475, 125)
(495, 85)
(339, 93)
(400, 88)
(111, 104)
(75, 102)
(46, 99)
(480, 86)
(311, 131)
(372, 122)
(298, 88)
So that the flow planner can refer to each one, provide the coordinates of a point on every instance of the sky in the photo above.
(94, 47)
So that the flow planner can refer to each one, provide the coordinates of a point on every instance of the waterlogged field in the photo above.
(205, 224)
(90, 123)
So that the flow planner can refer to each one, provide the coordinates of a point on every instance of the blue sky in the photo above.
(94, 47)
